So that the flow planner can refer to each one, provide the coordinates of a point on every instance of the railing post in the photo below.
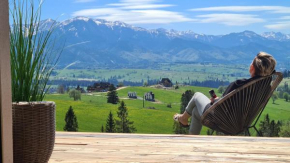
(5, 86)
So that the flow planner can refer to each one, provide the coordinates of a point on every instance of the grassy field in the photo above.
(92, 111)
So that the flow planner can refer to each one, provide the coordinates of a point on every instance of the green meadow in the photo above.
(92, 111)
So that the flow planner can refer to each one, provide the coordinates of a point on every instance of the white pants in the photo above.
(195, 108)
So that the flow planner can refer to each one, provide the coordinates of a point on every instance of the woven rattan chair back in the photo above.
(236, 111)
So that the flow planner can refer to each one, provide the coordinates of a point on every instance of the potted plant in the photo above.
(32, 61)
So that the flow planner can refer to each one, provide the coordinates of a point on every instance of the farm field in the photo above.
(176, 72)
(93, 109)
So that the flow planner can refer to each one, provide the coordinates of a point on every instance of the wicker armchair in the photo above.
(236, 111)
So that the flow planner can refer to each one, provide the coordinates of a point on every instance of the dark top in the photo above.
(238, 83)
(234, 85)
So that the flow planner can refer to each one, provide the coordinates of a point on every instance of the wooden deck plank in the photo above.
(105, 147)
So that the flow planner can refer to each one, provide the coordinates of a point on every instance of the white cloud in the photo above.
(279, 25)
(244, 19)
(282, 10)
(98, 12)
(285, 17)
(139, 1)
(140, 4)
(148, 17)
(134, 16)
(230, 19)
(274, 9)
(146, 6)
(135, 12)
(83, 1)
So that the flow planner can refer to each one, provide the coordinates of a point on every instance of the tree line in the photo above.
(67, 84)
(286, 73)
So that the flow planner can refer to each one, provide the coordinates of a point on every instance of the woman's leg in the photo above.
(195, 124)
(196, 106)
(198, 101)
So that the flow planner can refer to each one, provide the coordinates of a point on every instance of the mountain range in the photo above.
(95, 42)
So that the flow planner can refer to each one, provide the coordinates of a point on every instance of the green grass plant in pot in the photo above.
(32, 60)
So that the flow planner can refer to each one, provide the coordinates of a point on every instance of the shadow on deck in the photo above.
(104, 147)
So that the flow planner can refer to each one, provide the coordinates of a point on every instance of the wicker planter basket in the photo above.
(33, 131)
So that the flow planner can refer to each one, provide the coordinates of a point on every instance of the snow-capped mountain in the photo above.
(237, 39)
(101, 42)
(47, 24)
(278, 36)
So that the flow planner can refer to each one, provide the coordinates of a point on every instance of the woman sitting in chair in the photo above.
(262, 65)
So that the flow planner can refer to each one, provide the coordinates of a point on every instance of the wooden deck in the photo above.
(104, 147)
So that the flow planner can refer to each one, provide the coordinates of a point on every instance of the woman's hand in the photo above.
(213, 100)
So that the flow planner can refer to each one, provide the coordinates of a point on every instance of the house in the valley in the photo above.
(166, 82)
(99, 87)
(149, 96)
(82, 90)
(132, 94)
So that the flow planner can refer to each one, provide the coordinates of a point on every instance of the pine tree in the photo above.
(185, 98)
(71, 122)
(110, 126)
(285, 129)
(286, 96)
(112, 95)
(286, 88)
(269, 128)
(124, 125)
(102, 128)
(264, 125)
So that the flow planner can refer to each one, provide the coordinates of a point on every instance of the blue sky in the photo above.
(201, 16)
